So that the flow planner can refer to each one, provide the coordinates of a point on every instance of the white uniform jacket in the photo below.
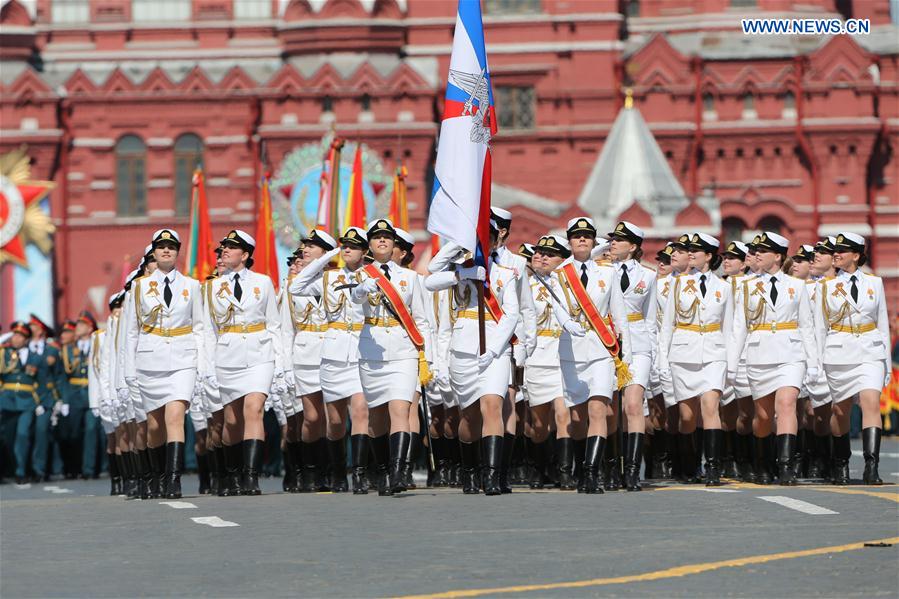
(343, 318)
(246, 331)
(526, 329)
(640, 303)
(303, 327)
(384, 343)
(548, 328)
(165, 338)
(464, 314)
(852, 331)
(604, 292)
(695, 328)
(772, 333)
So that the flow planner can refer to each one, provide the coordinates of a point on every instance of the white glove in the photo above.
(279, 384)
(811, 375)
(485, 359)
(39, 411)
(573, 328)
(731, 378)
(369, 285)
(291, 379)
(665, 374)
(123, 394)
(196, 398)
(887, 379)
(530, 348)
(64, 410)
(444, 256)
(472, 273)
(95, 412)
(212, 381)
(131, 381)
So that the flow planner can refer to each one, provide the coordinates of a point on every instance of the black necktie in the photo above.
(584, 277)
(167, 293)
(625, 280)
(386, 270)
(238, 292)
(773, 291)
(853, 291)
(702, 285)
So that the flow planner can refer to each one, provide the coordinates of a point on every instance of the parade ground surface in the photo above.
(70, 539)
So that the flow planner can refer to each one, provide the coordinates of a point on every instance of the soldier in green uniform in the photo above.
(75, 360)
(18, 369)
(48, 371)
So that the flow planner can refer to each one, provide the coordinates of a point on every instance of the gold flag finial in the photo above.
(628, 98)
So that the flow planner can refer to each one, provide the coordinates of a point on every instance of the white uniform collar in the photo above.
(842, 274)
(630, 264)
(243, 272)
(37, 345)
(578, 264)
(159, 276)
(779, 274)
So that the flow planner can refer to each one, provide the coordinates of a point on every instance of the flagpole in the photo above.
(482, 331)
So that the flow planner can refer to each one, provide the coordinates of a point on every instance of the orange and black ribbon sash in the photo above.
(396, 302)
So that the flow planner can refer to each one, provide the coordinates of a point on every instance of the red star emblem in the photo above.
(21, 219)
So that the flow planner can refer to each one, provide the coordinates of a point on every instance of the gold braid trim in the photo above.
(213, 314)
(688, 314)
(755, 316)
(829, 316)
(95, 351)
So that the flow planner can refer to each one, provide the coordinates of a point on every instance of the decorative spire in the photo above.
(628, 98)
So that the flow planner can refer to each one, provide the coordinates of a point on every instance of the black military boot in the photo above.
(309, 474)
(322, 466)
(174, 465)
(115, 477)
(491, 453)
(441, 463)
(729, 458)
(871, 451)
(816, 456)
(786, 450)
(203, 473)
(380, 450)
(455, 453)
(221, 470)
(410, 459)
(233, 469)
(686, 447)
(505, 473)
(161, 463)
(633, 455)
(361, 445)
(800, 454)
(713, 439)
(468, 474)
(762, 458)
(289, 481)
(521, 465)
(252, 465)
(154, 472)
(337, 459)
(399, 447)
(135, 467)
(841, 452)
(659, 454)
(613, 462)
(538, 461)
(565, 462)
(580, 449)
(594, 448)
(744, 455)
(649, 448)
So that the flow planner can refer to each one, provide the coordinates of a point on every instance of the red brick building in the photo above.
(118, 99)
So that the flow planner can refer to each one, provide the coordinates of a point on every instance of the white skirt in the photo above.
(583, 380)
(339, 380)
(138, 413)
(160, 388)
(768, 378)
(847, 380)
(640, 368)
(234, 383)
(388, 381)
(692, 380)
(469, 385)
(542, 384)
(308, 379)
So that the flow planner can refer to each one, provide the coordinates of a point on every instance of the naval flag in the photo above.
(460, 199)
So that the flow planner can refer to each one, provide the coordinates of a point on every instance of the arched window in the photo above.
(749, 106)
(771, 223)
(131, 180)
(732, 229)
(188, 156)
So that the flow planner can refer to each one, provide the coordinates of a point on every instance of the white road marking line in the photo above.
(57, 490)
(894, 473)
(179, 505)
(798, 505)
(214, 521)
(23, 486)
(707, 490)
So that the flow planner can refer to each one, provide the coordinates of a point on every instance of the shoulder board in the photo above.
(603, 263)
(810, 281)
(498, 265)
(683, 274)
(867, 274)
(825, 279)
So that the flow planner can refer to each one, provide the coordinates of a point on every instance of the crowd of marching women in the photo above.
(570, 364)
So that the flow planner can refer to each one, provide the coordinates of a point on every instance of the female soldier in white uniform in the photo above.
(542, 373)
(297, 319)
(692, 339)
(479, 381)
(854, 339)
(392, 351)
(164, 352)
(801, 269)
(819, 391)
(591, 313)
(244, 319)
(638, 287)
(341, 385)
(661, 451)
(309, 319)
(773, 321)
(212, 397)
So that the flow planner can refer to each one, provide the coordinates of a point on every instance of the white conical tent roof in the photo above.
(631, 167)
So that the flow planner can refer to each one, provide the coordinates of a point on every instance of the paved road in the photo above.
(69, 539)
